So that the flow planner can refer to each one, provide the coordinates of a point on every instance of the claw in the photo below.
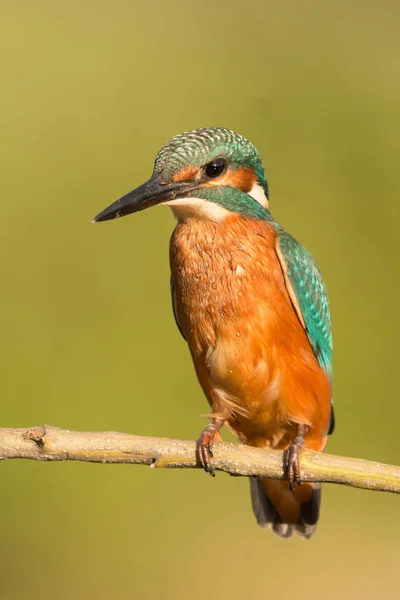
(292, 456)
(205, 446)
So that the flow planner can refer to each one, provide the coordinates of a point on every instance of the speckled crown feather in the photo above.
(199, 146)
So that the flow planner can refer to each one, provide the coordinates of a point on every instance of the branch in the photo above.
(52, 443)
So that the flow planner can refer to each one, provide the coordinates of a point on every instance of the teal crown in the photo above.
(200, 146)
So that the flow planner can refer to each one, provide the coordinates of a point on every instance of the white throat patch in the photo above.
(257, 192)
(197, 208)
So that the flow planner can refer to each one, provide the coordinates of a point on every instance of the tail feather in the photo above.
(268, 516)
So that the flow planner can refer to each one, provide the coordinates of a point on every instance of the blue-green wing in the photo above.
(310, 296)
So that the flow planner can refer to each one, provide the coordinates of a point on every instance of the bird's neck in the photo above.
(218, 203)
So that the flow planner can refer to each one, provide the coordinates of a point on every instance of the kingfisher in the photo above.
(251, 304)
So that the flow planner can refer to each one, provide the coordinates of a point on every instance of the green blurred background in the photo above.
(90, 91)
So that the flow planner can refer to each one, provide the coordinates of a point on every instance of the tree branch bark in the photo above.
(52, 443)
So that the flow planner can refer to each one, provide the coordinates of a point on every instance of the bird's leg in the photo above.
(205, 444)
(292, 456)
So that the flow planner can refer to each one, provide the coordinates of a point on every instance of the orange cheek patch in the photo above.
(187, 174)
(241, 179)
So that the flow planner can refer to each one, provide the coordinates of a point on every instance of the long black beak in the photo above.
(153, 192)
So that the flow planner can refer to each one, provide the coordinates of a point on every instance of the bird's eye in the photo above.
(216, 168)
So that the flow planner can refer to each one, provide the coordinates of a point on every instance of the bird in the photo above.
(252, 306)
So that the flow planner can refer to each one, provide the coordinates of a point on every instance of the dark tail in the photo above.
(286, 511)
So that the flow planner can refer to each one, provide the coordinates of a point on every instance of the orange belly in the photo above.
(250, 350)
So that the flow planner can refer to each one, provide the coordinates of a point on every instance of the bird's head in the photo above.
(204, 173)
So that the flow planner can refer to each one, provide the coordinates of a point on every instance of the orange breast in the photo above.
(250, 350)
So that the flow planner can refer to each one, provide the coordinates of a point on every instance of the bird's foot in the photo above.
(292, 457)
(208, 436)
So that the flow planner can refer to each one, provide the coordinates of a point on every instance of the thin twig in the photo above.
(52, 443)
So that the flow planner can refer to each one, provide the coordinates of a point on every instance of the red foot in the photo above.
(292, 456)
(205, 443)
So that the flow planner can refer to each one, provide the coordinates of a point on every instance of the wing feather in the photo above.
(309, 296)
(173, 300)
